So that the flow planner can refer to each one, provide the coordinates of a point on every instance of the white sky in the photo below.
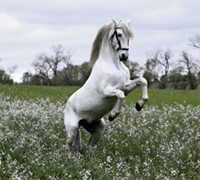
(31, 27)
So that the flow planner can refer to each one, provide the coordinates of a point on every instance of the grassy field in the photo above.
(34, 92)
(160, 142)
(156, 97)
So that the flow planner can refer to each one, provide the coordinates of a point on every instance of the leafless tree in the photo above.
(191, 67)
(195, 41)
(67, 60)
(69, 68)
(43, 68)
(12, 69)
(59, 57)
(162, 58)
(47, 66)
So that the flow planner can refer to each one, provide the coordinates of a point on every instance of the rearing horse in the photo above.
(105, 89)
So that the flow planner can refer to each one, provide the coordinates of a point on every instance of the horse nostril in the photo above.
(124, 57)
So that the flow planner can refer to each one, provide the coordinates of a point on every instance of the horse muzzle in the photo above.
(123, 56)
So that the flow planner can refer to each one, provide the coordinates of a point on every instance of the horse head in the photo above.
(119, 38)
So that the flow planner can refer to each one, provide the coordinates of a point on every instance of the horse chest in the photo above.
(119, 79)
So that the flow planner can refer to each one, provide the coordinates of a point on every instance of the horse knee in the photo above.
(121, 95)
(71, 134)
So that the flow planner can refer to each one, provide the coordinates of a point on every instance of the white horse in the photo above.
(106, 87)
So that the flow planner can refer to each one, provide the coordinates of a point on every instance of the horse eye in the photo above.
(119, 35)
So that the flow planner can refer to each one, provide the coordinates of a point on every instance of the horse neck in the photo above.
(109, 55)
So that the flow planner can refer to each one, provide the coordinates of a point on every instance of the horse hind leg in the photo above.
(74, 142)
(96, 131)
(71, 136)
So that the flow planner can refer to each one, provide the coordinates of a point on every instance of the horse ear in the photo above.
(129, 22)
(115, 22)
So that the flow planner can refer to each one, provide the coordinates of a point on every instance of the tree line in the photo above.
(159, 70)
(5, 76)
(57, 70)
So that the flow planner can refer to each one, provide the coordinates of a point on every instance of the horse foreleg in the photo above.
(110, 92)
(116, 111)
(132, 85)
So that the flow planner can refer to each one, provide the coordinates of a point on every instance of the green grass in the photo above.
(34, 92)
(156, 97)
(159, 97)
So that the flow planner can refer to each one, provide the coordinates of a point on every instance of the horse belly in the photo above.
(94, 109)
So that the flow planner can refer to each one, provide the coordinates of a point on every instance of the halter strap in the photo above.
(119, 43)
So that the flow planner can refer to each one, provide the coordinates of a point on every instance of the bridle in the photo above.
(116, 35)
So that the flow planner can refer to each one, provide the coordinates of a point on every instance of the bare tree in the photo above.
(150, 73)
(162, 58)
(195, 41)
(42, 67)
(12, 69)
(47, 66)
(67, 60)
(55, 60)
(68, 71)
(191, 68)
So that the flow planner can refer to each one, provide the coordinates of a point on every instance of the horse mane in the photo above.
(97, 43)
(103, 32)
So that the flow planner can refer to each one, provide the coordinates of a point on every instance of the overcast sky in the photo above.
(31, 27)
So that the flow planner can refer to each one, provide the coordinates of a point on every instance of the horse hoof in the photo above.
(138, 106)
(110, 118)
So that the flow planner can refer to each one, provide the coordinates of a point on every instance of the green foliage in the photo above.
(5, 78)
(163, 82)
(193, 82)
(177, 79)
(150, 74)
(151, 64)
(72, 75)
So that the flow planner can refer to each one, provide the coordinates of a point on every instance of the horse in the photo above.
(106, 87)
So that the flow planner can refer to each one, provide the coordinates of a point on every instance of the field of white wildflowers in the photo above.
(151, 144)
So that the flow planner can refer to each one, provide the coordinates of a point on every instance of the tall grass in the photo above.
(160, 142)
